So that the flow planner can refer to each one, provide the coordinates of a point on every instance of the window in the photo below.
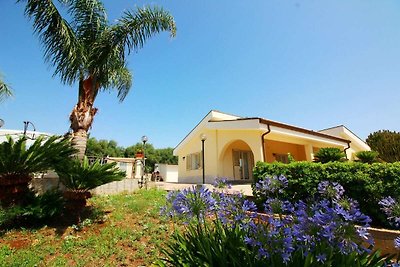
(193, 161)
(281, 158)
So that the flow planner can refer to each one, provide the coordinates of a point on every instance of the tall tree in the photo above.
(386, 143)
(86, 49)
(103, 148)
(5, 90)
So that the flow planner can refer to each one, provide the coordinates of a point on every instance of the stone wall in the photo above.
(43, 184)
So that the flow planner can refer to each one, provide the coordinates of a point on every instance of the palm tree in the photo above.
(5, 90)
(88, 50)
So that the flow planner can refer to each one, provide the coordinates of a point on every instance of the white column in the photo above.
(138, 168)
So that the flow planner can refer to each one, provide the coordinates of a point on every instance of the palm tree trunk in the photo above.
(79, 141)
(82, 115)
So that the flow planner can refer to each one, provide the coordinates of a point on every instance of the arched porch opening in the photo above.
(237, 161)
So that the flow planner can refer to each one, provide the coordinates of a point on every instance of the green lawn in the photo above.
(126, 230)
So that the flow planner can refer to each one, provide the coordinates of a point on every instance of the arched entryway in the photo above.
(237, 161)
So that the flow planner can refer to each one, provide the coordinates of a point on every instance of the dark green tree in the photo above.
(87, 50)
(103, 148)
(165, 155)
(150, 154)
(386, 143)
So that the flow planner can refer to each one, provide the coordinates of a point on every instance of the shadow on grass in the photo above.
(15, 219)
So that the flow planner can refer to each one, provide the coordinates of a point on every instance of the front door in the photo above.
(242, 164)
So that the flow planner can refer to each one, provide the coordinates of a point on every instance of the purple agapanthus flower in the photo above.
(363, 233)
(222, 183)
(191, 203)
(330, 190)
(397, 242)
(391, 207)
(271, 185)
(321, 258)
(287, 228)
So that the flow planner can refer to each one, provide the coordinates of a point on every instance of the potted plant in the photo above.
(139, 153)
(81, 176)
(18, 163)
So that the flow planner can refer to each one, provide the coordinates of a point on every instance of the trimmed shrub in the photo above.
(366, 183)
(328, 154)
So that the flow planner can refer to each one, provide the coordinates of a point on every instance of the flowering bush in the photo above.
(366, 183)
(222, 183)
(392, 210)
(225, 230)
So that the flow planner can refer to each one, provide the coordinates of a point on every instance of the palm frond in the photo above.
(5, 90)
(90, 47)
(61, 46)
(89, 21)
(133, 29)
(120, 79)
(107, 60)
(107, 65)
(81, 175)
(42, 155)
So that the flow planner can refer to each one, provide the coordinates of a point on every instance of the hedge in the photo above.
(366, 183)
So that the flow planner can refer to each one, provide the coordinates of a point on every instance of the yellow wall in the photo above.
(315, 150)
(218, 153)
(276, 147)
(220, 143)
(238, 140)
(227, 157)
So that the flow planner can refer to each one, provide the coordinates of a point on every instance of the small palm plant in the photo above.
(328, 154)
(81, 176)
(18, 163)
(367, 156)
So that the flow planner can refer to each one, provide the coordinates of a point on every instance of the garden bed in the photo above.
(124, 230)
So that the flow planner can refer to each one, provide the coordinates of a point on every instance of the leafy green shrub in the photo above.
(18, 163)
(367, 156)
(328, 154)
(81, 175)
(42, 155)
(41, 209)
(366, 183)
(208, 245)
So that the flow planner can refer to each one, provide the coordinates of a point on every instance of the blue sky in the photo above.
(313, 64)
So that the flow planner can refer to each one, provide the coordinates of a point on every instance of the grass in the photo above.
(124, 230)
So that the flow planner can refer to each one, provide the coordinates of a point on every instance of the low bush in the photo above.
(18, 163)
(37, 210)
(329, 154)
(367, 156)
(83, 175)
(366, 183)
